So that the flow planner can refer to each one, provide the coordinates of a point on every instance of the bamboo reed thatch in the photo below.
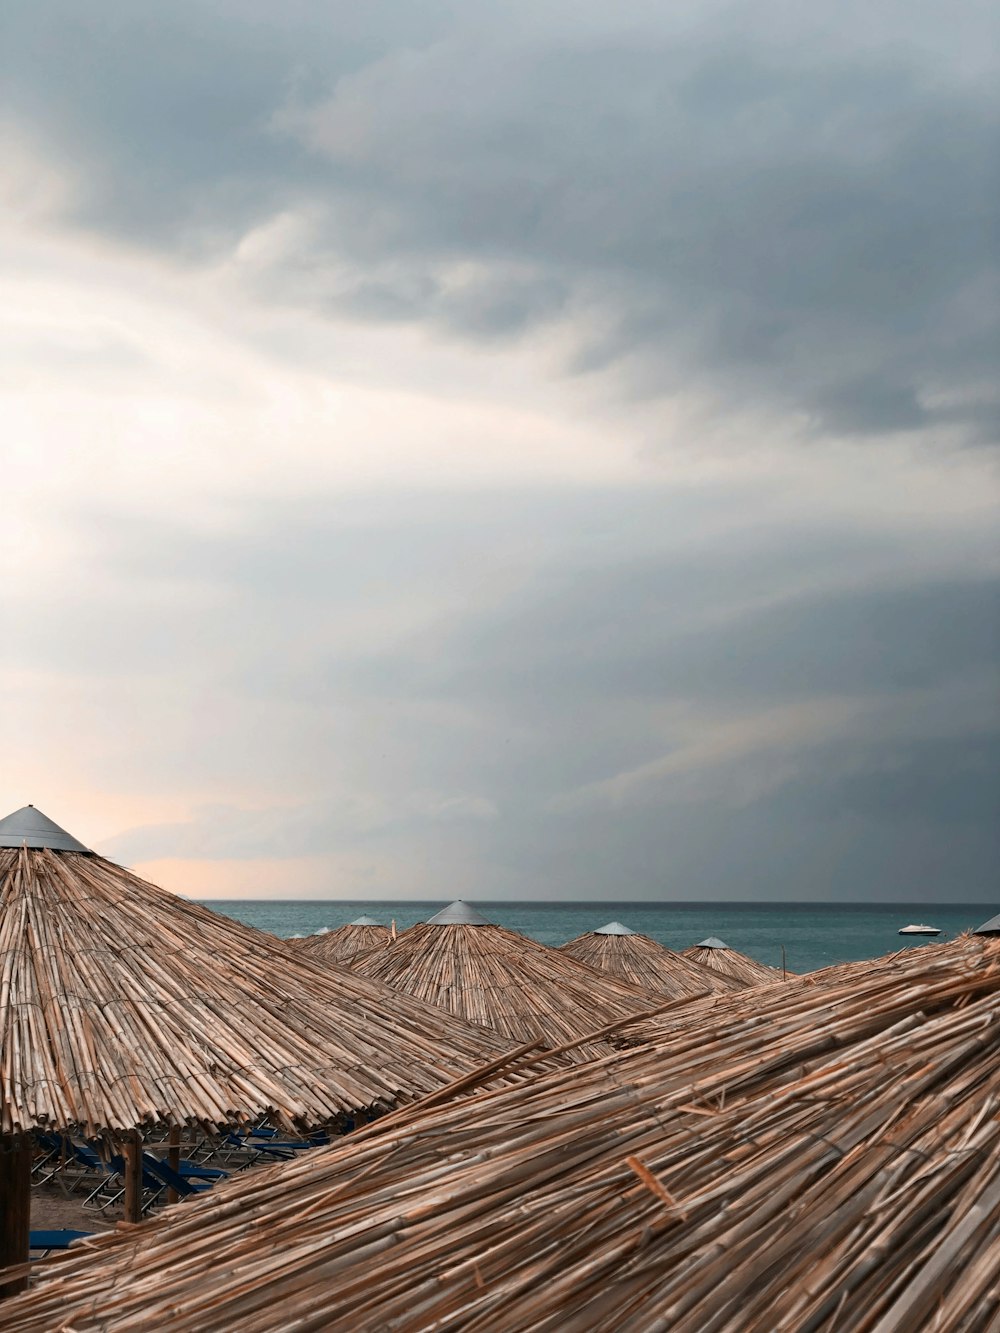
(122, 1005)
(841, 1176)
(644, 962)
(343, 943)
(738, 967)
(485, 974)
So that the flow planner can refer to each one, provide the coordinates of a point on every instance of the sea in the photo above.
(803, 935)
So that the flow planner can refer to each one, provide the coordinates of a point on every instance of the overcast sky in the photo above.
(528, 450)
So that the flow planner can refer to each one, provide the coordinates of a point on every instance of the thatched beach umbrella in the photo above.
(481, 972)
(844, 1174)
(123, 1007)
(343, 943)
(717, 956)
(642, 961)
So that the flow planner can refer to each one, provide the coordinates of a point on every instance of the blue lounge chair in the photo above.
(184, 1186)
(197, 1170)
(47, 1241)
(74, 1164)
(266, 1148)
(314, 1140)
(48, 1157)
(112, 1186)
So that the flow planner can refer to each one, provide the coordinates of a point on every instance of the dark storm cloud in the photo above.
(813, 838)
(779, 213)
(811, 230)
(625, 632)
(488, 726)
(942, 783)
(541, 599)
(167, 107)
(767, 207)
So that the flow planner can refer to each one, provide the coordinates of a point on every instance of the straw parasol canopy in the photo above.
(636, 958)
(717, 956)
(485, 974)
(344, 943)
(837, 1176)
(122, 1005)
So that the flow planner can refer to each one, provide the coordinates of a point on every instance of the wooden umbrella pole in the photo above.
(174, 1158)
(133, 1177)
(15, 1206)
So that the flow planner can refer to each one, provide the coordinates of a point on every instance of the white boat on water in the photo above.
(919, 930)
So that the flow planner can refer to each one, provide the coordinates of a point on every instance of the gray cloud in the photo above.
(296, 830)
(816, 838)
(657, 706)
(762, 207)
(760, 221)
(784, 216)
(624, 631)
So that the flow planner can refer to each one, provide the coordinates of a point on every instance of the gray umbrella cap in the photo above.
(991, 927)
(28, 827)
(364, 921)
(458, 914)
(614, 928)
(713, 942)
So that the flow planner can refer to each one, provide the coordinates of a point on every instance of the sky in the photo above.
(526, 450)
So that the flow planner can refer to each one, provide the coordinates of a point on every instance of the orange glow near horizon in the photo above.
(299, 877)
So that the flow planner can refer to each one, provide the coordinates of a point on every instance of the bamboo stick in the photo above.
(850, 1168)
(644, 962)
(343, 944)
(736, 967)
(123, 1006)
(498, 979)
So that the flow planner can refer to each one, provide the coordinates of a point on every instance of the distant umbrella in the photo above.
(717, 956)
(479, 971)
(459, 913)
(344, 943)
(813, 1156)
(642, 961)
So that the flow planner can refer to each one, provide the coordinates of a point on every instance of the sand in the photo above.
(52, 1210)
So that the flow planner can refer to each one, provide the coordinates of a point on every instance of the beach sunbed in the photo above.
(192, 1170)
(112, 1187)
(48, 1157)
(253, 1150)
(75, 1165)
(185, 1187)
(47, 1241)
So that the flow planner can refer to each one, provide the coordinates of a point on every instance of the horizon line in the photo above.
(620, 902)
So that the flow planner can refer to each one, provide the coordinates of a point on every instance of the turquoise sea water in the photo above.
(813, 934)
